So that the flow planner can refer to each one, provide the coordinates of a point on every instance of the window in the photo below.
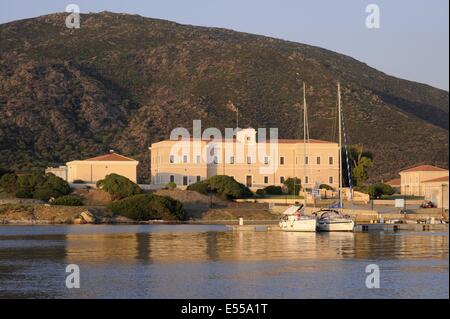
(198, 159)
(215, 160)
(282, 160)
(266, 160)
(231, 159)
(185, 180)
(306, 180)
(198, 179)
(281, 179)
(330, 180)
(172, 159)
(331, 160)
(266, 179)
(306, 160)
(318, 160)
(172, 179)
(185, 158)
(249, 159)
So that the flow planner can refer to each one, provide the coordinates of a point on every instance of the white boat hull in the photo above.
(336, 225)
(302, 225)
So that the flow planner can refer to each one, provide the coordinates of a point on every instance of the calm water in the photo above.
(190, 261)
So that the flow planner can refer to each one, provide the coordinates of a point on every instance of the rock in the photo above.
(79, 221)
(88, 217)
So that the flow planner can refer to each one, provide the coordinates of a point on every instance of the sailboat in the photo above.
(294, 218)
(332, 219)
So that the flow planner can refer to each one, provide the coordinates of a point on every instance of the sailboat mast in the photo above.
(304, 140)
(340, 144)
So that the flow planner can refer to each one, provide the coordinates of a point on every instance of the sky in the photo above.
(412, 41)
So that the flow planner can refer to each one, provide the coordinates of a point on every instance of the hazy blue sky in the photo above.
(412, 42)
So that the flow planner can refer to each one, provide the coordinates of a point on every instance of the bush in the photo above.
(224, 186)
(68, 200)
(24, 193)
(118, 186)
(227, 187)
(4, 171)
(200, 187)
(149, 206)
(53, 186)
(377, 190)
(325, 186)
(293, 185)
(8, 183)
(270, 190)
(171, 185)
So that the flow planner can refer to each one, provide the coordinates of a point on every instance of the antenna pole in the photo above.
(340, 144)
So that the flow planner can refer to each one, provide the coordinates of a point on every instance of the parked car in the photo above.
(427, 204)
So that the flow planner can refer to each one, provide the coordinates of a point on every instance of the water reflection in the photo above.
(206, 261)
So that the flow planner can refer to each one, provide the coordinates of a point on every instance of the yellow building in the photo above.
(412, 179)
(252, 163)
(94, 169)
(436, 191)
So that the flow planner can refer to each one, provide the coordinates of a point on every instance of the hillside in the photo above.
(124, 81)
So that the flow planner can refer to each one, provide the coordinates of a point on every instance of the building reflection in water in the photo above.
(157, 247)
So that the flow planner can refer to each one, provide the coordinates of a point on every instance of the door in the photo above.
(249, 181)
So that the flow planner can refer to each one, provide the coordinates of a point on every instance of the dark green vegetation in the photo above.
(270, 190)
(124, 81)
(171, 185)
(149, 206)
(293, 185)
(377, 190)
(224, 186)
(35, 185)
(118, 186)
(68, 200)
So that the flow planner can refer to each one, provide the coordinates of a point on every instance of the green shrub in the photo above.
(4, 171)
(293, 185)
(270, 190)
(8, 183)
(200, 187)
(224, 186)
(148, 206)
(68, 200)
(118, 186)
(171, 185)
(53, 186)
(326, 186)
(377, 190)
(227, 187)
(24, 193)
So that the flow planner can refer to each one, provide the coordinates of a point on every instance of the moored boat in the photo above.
(332, 220)
(294, 220)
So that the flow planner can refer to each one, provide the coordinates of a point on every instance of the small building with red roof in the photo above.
(412, 179)
(96, 168)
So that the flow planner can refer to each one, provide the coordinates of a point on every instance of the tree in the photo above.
(149, 206)
(51, 186)
(118, 186)
(68, 200)
(8, 183)
(293, 185)
(377, 190)
(360, 162)
(224, 186)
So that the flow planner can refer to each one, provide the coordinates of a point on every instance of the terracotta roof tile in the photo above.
(439, 179)
(111, 157)
(424, 168)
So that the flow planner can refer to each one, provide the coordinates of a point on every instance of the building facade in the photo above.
(254, 164)
(412, 179)
(436, 191)
(94, 169)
